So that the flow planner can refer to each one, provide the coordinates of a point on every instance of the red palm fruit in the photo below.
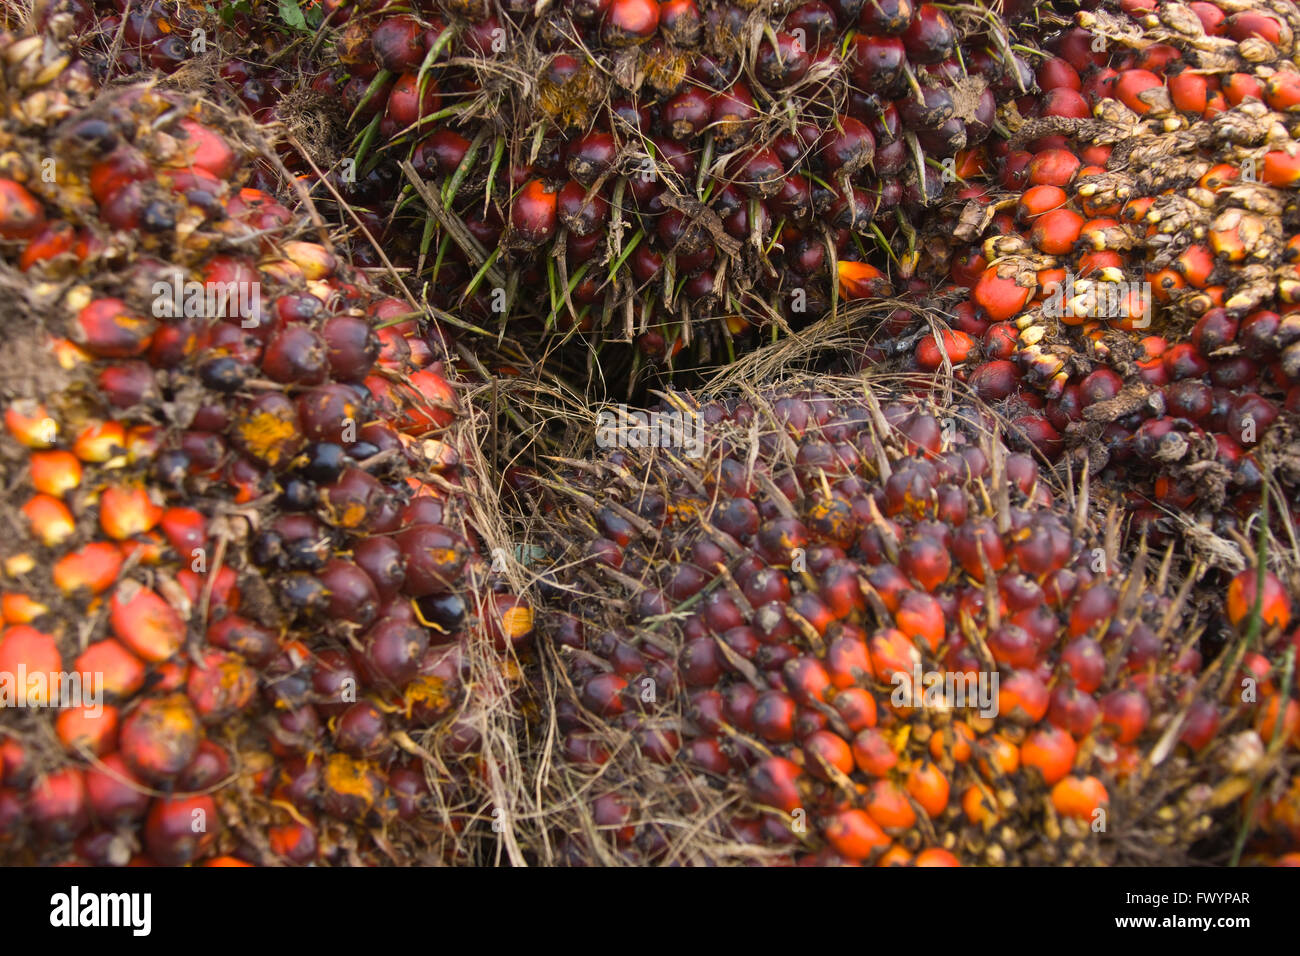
(1125, 714)
(580, 215)
(1079, 797)
(93, 567)
(848, 661)
(160, 737)
(930, 37)
(1282, 91)
(886, 17)
(51, 521)
(1190, 92)
(925, 561)
(1275, 610)
(1085, 662)
(975, 537)
(920, 617)
(930, 351)
(21, 213)
(181, 830)
(808, 681)
(407, 105)
(1077, 47)
(856, 707)
(351, 346)
(872, 753)
(775, 782)
(629, 22)
(16, 764)
(121, 672)
(296, 355)
(846, 146)
(533, 214)
(891, 653)
(1066, 102)
(1252, 23)
(998, 756)
(1050, 751)
(1013, 646)
(824, 749)
(852, 833)
(208, 150)
(1054, 167)
(126, 511)
(936, 856)
(108, 329)
(29, 423)
(760, 172)
(1000, 297)
(362, 731)
(18, 608)
(35, 652)
(127, 383)
(1037, 200)
(605, 695)
(144, 622)
(1242, 86)
(877, 62)
(1211, 16)
(1184, 361)
(57, 804)
(781, 64)
(1095, 605)
(220, 685)
(1214, 330)
(1266, 723)
(705, 753)
(1280, 169)
(887, 804)
(88, 729)
(100, 442)
(994, 381)
(590, 156)
(1023, 698)
(114, 795)
(680, 21)
(1133, 89)
(1056, 73)
(399, 44)
(267, 429)
(860, 280)
(186, 530)
(733, 111)
(1100, 386)
(352, 594)
(1056, 232)
(953, 742)
(929, 787)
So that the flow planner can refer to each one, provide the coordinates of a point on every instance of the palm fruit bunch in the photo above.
(649, 164)
(1259, 606)
(742, 601)
(1124, 277)
(242, 596)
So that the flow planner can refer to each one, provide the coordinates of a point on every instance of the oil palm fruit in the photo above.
(1122, 280)
(234, 477)
(651, 167)
(743, 597)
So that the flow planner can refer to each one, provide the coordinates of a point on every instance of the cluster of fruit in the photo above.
(1126, 284)
(652, 163)
(241, 596)
(879, 639)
